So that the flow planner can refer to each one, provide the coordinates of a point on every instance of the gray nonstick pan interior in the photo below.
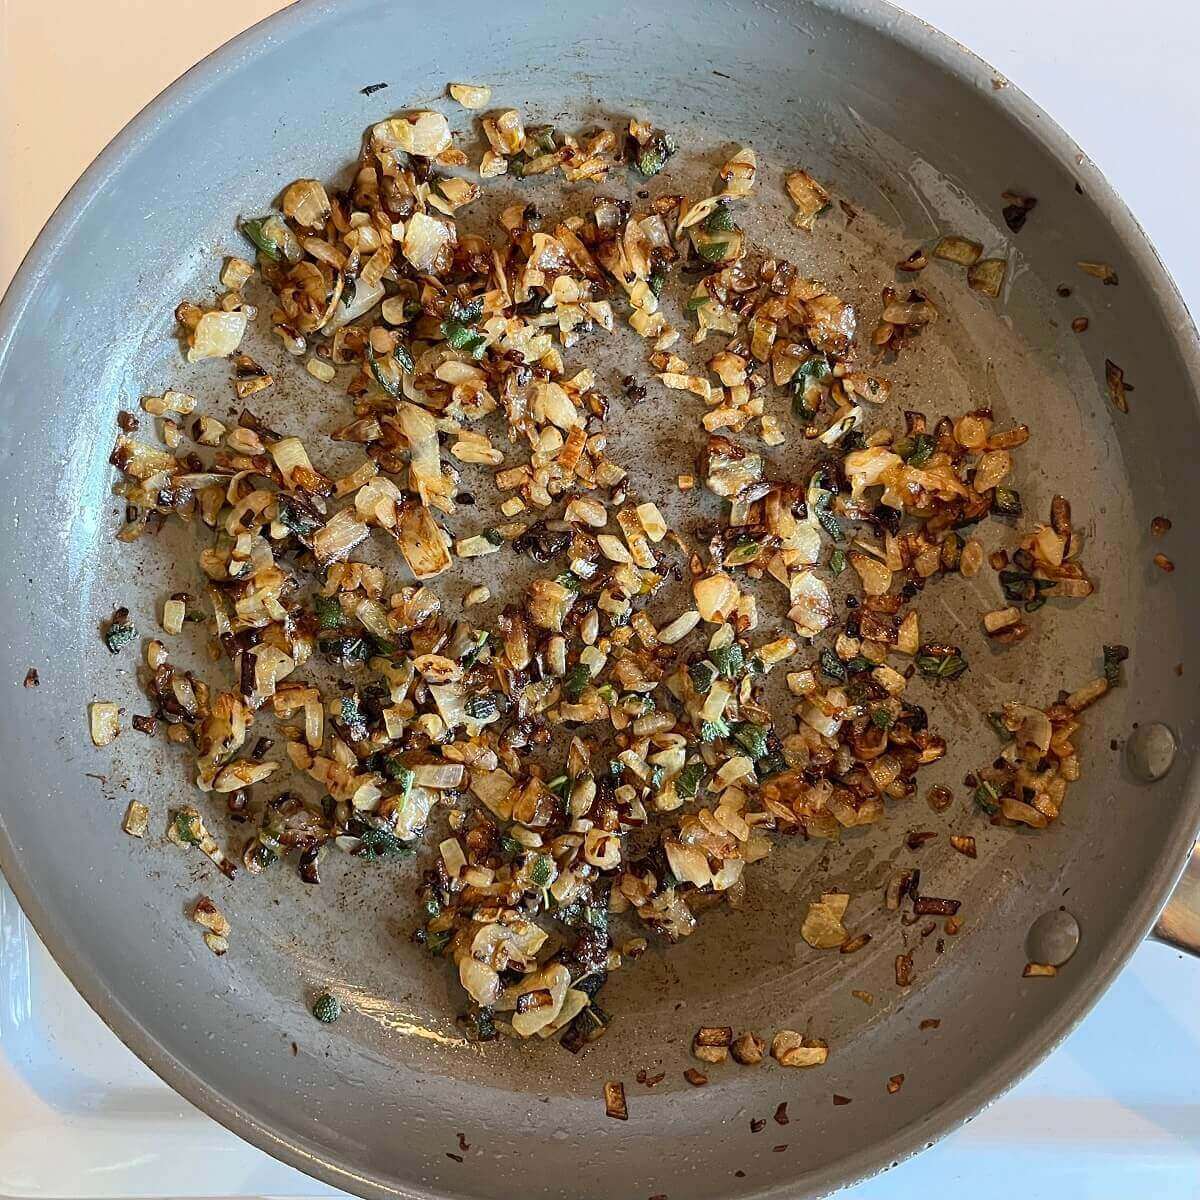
(920, 140)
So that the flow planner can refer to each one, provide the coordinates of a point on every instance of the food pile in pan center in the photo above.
(586, 751)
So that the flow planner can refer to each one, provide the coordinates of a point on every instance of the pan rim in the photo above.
(942, 53)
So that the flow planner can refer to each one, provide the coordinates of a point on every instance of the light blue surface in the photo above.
(1113, 1114)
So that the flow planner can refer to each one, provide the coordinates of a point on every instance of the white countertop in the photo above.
(1114, 1112)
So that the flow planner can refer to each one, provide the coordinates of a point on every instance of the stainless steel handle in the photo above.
(1178, 924)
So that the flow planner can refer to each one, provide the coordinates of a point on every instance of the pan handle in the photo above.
(1178, 924)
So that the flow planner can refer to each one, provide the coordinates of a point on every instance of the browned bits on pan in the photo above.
(694, 1077)
(894, 1084)
(1035, 970)
(31, 678)
(952, 925)
(748, 1049)
(934, 906)
(917, 838)
(854, 943)
(779, 1149)
(463, 1144)
(758, 1124)
(1060, 516)
(644, 1077)
(781, 1114)
(930, 1023)
(1160, 526)
(940, 798)
(1016, 209)
(904, 970)
(916, 261)
(865, 997)
(127, 422)
(998, 559)
(1163, 563)
(711, 1043)
(840, 1100)
(147, 725)
(614, 1101)
(1114, 377)
(1100, 270)
(964, 844)
(1080, 324)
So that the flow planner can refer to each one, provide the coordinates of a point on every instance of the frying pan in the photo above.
(920, 139)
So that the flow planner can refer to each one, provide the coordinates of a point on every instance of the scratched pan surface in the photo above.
(912, 133)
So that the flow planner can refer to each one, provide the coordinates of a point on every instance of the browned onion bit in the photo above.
(1035, 970)
(614, 1101)
(1163, 563)
(840, 1100)
(964, 844)
(1159, 526)
(894, 1084)
(904, 970)
(32, 680)
(933, 906)
(694, 1077)
(781, 1114)
(854, 943)
(930, 1023)
(748, 1049)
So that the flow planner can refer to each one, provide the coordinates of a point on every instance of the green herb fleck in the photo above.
(541, 871)
(697, 302)
(713, 252)
(1114, 656)
(481, 707)
(702, 674)
(882, 718)
(118, 635)
(752, 738)
(711, 730)
(327, 1008)
(837, 561)
(186, 828)
(1007, 502)
(922, 450)
(745, 550)
(832, 666)
(386, 382)
(255, 229)
(460, 337)
(996, 721)
(687, 782)
(941, 666)
(986, 797)
(575, 681)
(329, 612)
(729, 660)
(720, 220)
(380, 843)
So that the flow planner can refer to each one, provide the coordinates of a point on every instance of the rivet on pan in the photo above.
(1150, 751)
(1053, 937)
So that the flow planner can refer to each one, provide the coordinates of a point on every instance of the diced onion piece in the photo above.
(425, 134)
(307, 203)
(822, 928)
(338, 536)
(427, 243)
(809, 197)
(987, 276)
(958, 250)
(453, 857)
(716, 597)
(104, 721)
(422, 543)
(876, 578)
(471, 95)
(217, 335)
